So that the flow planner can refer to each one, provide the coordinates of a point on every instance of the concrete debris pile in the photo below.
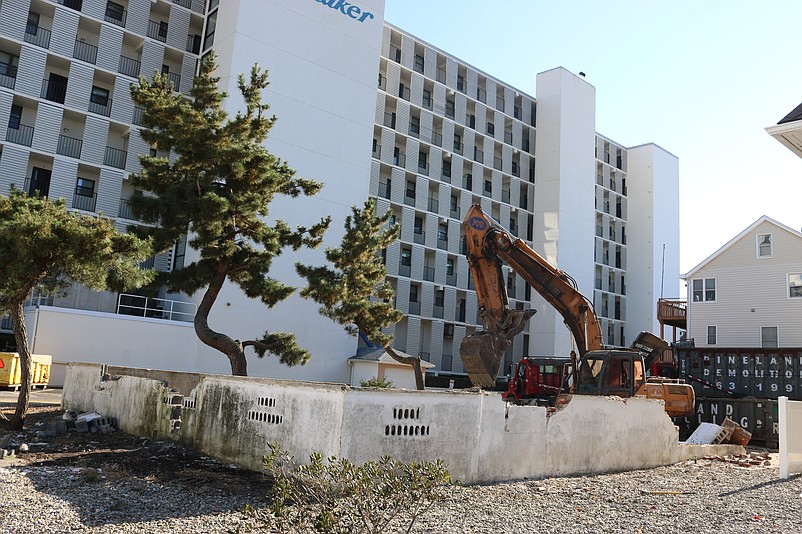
(727, 433)
(750, 459)
(10, 445)
(85, 422)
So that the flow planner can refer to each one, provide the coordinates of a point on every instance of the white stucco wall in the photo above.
(653, 221)
(479, 437)
(564, 215)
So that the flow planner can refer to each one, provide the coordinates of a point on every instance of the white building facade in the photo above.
(369, 110)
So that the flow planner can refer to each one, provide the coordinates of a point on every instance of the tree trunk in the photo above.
(21, 337)
(232, 348)
(409, 360)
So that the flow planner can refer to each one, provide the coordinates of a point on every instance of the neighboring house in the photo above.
(749, 292)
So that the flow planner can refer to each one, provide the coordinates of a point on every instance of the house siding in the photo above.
(750, 292)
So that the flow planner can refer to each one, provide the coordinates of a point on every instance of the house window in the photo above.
(450, 108)
(427, 99)
(439, 297)
(764, 249)
(488, 186)
(99, 96)
(413, 293)
(711, 335)
(442, 232)
(418, 225)
(704, 290)
(448, 330)
(446, 168)
(491, 128)
(795, 285)
(115, 11)
(211, 26)
(85, 187)
(450, 266)
(769, 338)
(8, 64)
(410, 189)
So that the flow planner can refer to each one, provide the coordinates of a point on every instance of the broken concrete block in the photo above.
(706, 434)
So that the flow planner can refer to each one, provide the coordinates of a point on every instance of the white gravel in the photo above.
(699, 497)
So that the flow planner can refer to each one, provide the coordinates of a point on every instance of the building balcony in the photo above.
(419, 236)
(157, 30)
(154, 308)
(384, 190)
(85, 52)
(183, 3)
(69, 146)
(114, 157)
(434, 205)
(672, 312)
(72, 4)
(129, 66)
(115, 16)
(82, 201)
(175, 80)
(22, 135)
(100, 107)
(414, 308)
(38, 37)
(428, 274)
(137, 118)
(8, 76)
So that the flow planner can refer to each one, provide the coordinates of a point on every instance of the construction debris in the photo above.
(86, 422)
(728, 432)
(750, 459)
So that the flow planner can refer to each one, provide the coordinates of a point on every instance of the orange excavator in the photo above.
(597, 370)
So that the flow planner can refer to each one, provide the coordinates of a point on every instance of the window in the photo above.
(488, 186)
(99, 96)
(15, 117)
(442, 232)
(32, 26)
(448, 330)
(406, 257)
(450, 266)
(8, 64)
(410, 189)
(460, 82)
(40, 181)
(414, 125)
(450, 108)
(446, 168)
(418, 229)
(163, 30)
(711, 335)
(85, 187)
(211, 26)
(769, 338)
(704, 290)
(427, 99)
(764, 249)
(115, 12)
(491, 128)
(795, 285)
(457, 142)
(439, 297)
(413, 293)
(419, 62)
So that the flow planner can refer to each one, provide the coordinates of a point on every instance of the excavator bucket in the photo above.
(482, 354)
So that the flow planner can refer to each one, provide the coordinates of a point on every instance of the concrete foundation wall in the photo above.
(479, 437)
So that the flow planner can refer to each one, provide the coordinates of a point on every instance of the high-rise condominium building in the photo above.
(369, 110)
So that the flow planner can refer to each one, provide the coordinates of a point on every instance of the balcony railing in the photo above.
(672, 312)
(72, 4)
(129, 66)
(451, 279)
(440, 75)
(125, 210)
(414, 308)
(183, 3)
(384, 190)
(84, 202)
(22, 135)
(505, 196)
(400, 160)
(175, 80)
(171, 310)
(193, 43)
(404, 270)
(114, 157)
(419, 236)
(437, 312)
(85, 52)
(55, 90)
(497, 163)
(377, 152)
(428, 274)
(69, 146)
(389, 120)
(434, 205)
(8, 75)
(157, 31)
(38, 37)
(137, 118)
(101, 108)
(455, 212)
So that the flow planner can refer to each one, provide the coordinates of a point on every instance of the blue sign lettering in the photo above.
(348, 9)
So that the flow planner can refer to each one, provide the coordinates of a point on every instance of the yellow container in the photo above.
(10, 372)
(41, 369)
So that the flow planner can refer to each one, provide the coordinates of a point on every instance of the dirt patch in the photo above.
(120, 455)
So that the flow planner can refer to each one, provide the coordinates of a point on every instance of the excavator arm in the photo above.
(487, 245)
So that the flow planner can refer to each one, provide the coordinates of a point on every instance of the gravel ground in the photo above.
(702, 496)
(116, 483)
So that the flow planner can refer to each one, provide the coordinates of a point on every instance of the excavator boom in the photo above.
(488, 244)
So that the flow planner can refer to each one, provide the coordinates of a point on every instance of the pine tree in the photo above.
(355, 292)
(218, 190)
(43, 246)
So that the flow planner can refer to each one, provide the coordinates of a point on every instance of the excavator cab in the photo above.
(610, 372)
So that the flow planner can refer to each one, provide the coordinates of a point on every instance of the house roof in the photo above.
(379, 355)
(731, 242)
(795, 115)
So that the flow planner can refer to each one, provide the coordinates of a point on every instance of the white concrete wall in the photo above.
(479, 437)
(653, 221)
(565, 177)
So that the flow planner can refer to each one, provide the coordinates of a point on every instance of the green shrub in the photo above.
(376, 383)
(333, 495)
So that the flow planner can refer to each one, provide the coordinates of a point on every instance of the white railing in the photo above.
(790, 415)
(155, 308)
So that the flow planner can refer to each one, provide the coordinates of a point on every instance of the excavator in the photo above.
(596, 370)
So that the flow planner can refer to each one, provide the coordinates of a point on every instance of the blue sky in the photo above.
(701, 79)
